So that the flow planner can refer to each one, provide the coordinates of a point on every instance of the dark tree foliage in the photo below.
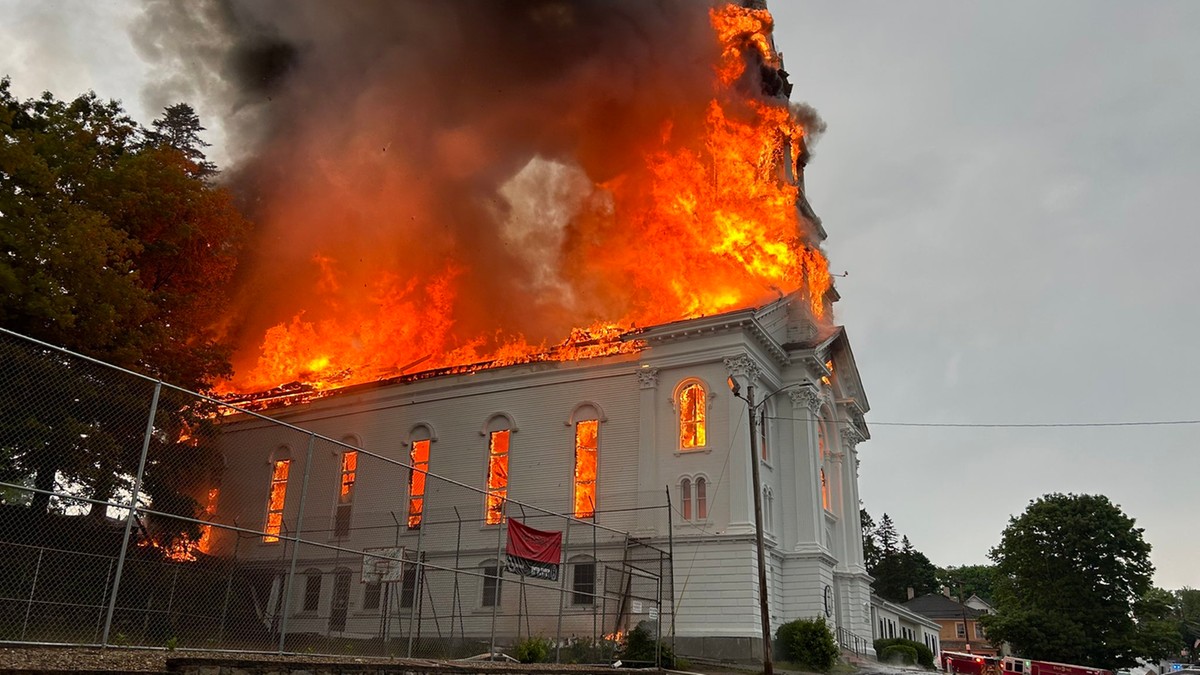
(112, 245)
(1187, 614)
(1157, 627)
(872, 553)
(1069, 572)
(896, 569)
(886, 534)
(969, 580)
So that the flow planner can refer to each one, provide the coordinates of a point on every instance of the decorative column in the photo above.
(746, 370)
(806, 408)
(853, 581)
(649, 455)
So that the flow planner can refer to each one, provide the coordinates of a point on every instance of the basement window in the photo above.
(275, 499)
(583, 583)
(691, 417)
(419, 458)
(497, 481)
(491, 584)
(341, 520)
(586, 457)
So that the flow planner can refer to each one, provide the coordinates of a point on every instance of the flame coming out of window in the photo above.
(586, 455)
(497, 482)
(696, 217)
(419, 458)
(691, 417)
(278, 492)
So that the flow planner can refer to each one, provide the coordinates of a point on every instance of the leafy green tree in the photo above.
(179, 128)
(969, 580)
(1157, 628)
(1069, 571)
(113, 246)
(1187, 613)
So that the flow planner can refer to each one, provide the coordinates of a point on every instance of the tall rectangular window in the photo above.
(341, 521)
(419, 458)
(586, 456)
(491, 585)
(408, 584)
(960, 630)
(371, 595)
(583, 585)
(497, 482)
(312, 590)
(275, 498)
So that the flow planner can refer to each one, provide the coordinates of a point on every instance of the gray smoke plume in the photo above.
(418, 139)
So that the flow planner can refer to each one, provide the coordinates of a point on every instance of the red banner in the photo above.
(534, 553)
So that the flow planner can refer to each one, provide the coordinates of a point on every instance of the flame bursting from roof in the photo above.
(701, 219)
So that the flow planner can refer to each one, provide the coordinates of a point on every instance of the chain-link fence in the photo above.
(134, 513)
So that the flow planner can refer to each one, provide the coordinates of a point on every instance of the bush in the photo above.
(532, 650)
(899, 655)
(809, 643)
(924, 653)
(641, 648)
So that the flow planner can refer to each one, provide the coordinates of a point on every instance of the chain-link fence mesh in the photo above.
(250, 534)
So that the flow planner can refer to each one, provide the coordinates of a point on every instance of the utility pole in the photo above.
(758, 532)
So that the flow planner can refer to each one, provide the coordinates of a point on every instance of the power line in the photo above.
(1012, 425)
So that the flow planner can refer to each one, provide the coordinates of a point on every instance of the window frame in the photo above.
(698, 441)
(496, 497)
(417, 472)
(576, 483)
(312, 591)
(493, 596)
(584, 598)
(343, 507)
(272, 530)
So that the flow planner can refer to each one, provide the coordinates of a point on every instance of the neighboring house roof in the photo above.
(938, 606)
(904, 612)
(979, 603)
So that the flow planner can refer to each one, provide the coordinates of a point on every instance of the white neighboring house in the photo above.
(890, 620)
(646, 445)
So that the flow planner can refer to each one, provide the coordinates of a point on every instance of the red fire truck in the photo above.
(1015, 665)
(971, 664)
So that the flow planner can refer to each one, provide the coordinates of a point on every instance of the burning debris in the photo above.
(460, 183)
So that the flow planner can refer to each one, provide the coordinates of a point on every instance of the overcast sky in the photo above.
(1011, 188)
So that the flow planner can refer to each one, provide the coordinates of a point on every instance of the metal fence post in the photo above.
(415, 596)
(562, 593)
(137, 488)
(287, 594)
(497, 594)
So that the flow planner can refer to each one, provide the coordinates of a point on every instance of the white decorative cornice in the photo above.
(807, 398)
(743, 366)
(647, 378)
(851, 435)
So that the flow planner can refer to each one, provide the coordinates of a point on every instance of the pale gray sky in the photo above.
(1010, 187)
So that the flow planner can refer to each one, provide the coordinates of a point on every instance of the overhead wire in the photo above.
(1009, 425)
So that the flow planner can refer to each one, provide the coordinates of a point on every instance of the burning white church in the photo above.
(675, 165)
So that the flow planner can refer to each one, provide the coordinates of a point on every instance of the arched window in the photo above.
(692, 408)
(693, 493)
(823, 448)
(768, 508)
(701, 498)
(276, 496)
(764, 433)
(499, 434)
(685, 497)
(587, 456)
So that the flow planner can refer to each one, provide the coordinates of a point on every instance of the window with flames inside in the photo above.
(691, 417)
(275, 499)
(586, 456)
(419, 459)
(497, 481)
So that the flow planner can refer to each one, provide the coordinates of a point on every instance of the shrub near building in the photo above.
(921, 654)
(808, 643)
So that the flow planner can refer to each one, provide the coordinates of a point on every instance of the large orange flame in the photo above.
(708, 221)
